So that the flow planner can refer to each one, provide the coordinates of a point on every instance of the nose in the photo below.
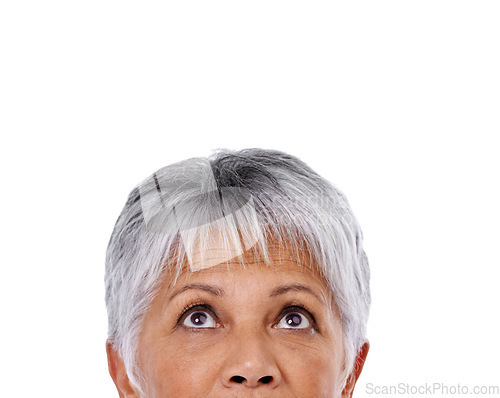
(251, 363)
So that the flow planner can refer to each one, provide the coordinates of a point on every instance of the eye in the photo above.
(199, 319)
(293, 320)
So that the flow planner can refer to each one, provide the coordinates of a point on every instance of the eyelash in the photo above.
(289, 308)
(196, 305)
(301, 310)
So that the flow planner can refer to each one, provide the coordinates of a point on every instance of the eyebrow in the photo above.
(296, 287)
(218, 292)
(214, 290)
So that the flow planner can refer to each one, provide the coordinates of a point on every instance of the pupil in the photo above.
(198, 318)
(293, 320)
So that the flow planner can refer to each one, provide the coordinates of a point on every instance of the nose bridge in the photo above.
(251, 360)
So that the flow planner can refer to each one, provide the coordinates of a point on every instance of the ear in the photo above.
(118, 373)
(358, 367)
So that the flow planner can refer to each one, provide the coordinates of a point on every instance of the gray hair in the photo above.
(247, 198)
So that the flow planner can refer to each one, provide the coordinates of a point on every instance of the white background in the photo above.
(395, 102)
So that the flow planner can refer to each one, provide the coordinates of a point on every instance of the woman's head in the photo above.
(244, 271)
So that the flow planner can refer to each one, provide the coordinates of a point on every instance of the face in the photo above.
(253, 331)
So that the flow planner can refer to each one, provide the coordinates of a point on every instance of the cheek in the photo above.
(312, 373)
(314, 368)
(179, 369)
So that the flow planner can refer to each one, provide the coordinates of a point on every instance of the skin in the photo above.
(253, 331)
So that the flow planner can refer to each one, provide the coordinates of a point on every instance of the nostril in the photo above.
(266, 379)
(241, 379)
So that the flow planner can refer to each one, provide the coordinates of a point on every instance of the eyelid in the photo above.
(196, 305)
(300, 309)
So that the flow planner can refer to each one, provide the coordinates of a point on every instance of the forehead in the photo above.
(280, 265)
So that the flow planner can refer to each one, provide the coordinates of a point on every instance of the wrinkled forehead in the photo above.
(283, 269)
(277, 257)
(275, 253)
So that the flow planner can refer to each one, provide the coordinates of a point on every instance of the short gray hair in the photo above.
(285, 201)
